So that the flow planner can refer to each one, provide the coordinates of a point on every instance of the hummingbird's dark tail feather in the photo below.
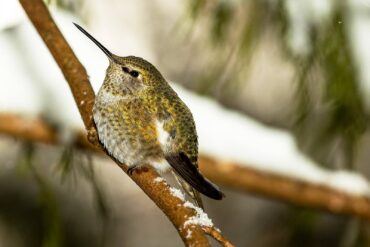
(184, 168)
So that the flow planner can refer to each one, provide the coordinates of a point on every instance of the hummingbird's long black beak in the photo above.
(105, 50)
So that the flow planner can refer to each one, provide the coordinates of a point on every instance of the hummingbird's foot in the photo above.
(137, 169)
(131, 169)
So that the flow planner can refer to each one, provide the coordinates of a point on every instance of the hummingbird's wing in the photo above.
(181, 145)
(184, 167)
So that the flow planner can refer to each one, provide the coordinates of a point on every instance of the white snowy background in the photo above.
(31, 84)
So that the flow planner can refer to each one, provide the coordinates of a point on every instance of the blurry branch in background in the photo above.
(77, 78)
(228, 174)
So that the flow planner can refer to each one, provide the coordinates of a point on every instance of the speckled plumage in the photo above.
(126, 116)
(141, 121)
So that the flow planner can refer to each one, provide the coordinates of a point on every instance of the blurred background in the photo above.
(284, 73)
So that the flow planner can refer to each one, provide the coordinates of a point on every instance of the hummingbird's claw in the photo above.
(131, 169)
(137, 169)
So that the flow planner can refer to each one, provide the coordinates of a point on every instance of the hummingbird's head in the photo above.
(130, 74)
(136, 70)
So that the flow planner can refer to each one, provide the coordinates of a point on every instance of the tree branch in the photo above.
(284, 188)
(77, 78)
(229, 174)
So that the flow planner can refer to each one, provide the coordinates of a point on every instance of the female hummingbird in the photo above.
(142, 121)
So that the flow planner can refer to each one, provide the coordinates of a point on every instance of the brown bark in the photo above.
(231, 175)
(77, 78)
(238, 177)
(284, 188)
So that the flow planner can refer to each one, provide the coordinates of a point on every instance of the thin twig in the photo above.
(238, 177)
(214, 233)
(77, 78)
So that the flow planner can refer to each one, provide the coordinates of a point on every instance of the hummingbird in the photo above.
(141, 120)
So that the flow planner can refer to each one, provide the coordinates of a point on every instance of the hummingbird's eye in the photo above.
(134, 73)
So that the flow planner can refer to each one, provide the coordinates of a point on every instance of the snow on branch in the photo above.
(77, 78)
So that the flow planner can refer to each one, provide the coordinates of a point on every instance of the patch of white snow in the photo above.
(158, 180)
(201, 218)
(177, 193)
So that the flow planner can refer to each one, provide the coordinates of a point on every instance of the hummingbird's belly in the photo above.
(113, 141)
(128, 146)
